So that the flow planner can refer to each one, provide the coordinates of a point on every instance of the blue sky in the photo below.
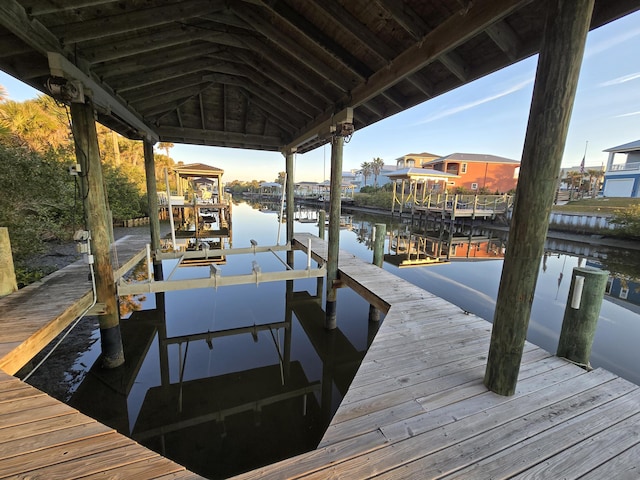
(488, 116)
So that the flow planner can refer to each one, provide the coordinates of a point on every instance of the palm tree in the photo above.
(594, 180)
(166, 146)
(376, 166)
(38, 124)
(367, 170)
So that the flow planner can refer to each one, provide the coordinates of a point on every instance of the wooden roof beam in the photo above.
(308, 96)
(159, 57)
(163, 88)
(307, 29)
(217, 137)
(14, 18)
(296, 52)
(417, 28)
(46, 8)
(148, 106)
(320, 86)
(277, 99)
(142, 44)
(123, 83)
(319, 129)
(102, 98)
(274, 115)
(505, 38)
(282, 90)
(451, 33)
(127, 21)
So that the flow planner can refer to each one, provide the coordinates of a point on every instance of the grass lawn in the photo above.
(597, 205)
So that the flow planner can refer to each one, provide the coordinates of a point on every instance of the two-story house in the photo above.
(478, 171)
(622, 179)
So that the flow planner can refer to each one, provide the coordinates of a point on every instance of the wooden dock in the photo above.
(33, 316)
(418, 408)
(41, 437)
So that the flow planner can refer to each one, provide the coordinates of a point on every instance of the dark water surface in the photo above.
(226, 380)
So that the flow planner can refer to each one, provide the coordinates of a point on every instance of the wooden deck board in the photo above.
(421, 386)
(44, 438)
(33, 316)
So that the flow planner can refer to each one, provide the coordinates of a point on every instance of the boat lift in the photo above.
(215, 278)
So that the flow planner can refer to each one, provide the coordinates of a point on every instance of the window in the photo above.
(609, 286)
(411, 163)
(624, 292)
(463, 168)
(474, 186)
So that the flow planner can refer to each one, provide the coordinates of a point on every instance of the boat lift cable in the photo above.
(73, 325)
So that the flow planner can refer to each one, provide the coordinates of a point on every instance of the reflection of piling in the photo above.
(581, 314)
(380, 232)
(322, 219)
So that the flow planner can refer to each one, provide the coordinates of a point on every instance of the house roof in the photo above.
(419, 155)
(198, 170)
(627, 147)
(262, 74)
(475, 157)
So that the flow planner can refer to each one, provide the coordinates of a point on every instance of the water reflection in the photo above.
(226, 380)
(230, 380)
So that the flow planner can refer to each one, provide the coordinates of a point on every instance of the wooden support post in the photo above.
(566, 28)
(581, 314)
(337, 145)
(322, 222)
(152, 195)
(380, 232)
(8, 282)
(86, 142)
(290, 203)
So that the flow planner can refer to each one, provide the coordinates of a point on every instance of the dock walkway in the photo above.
(33, 316)
(41, 437)
(418, 408)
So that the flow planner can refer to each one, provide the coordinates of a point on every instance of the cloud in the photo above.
(467, 106)
(619, 80)
(610, 42)
(631, 114)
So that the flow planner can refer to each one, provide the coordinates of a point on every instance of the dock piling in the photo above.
(581, 314)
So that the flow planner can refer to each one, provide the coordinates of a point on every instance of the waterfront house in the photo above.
(478, 171)
(411, 160)
(622, 179)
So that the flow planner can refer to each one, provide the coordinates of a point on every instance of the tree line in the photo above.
(40, 201)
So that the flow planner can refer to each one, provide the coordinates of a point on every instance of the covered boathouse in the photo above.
(291, 76)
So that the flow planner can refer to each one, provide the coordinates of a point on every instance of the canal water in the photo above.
(226, 380)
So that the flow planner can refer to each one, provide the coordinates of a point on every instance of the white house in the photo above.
(622, 179)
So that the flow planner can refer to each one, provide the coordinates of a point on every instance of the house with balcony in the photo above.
(622, 175)
(414, 160)
(478, 171)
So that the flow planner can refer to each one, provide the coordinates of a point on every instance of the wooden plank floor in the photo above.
(33, 316)
(41, 437)
(417, 408)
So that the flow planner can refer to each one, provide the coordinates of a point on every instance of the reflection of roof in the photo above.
(475, 157)
(627, 147)
(420, 172)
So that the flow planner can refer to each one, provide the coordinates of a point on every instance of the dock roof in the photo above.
(259, 74)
